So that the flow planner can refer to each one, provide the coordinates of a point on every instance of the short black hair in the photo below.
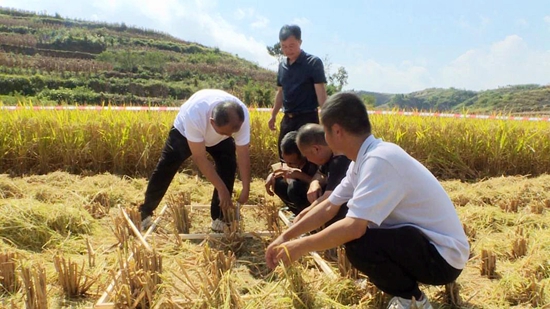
(288, 144)
(290, 30)
(223, 113)
(311, 134)
(347, 110)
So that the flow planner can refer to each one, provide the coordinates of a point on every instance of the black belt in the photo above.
(296, 114)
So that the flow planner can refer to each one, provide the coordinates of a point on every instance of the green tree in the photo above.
(276, 51)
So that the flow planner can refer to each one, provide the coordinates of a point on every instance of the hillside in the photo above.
(58, 60)
(518, 99)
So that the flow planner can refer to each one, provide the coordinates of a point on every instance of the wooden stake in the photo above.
(137, 233)
(102, 302)
(220, 235)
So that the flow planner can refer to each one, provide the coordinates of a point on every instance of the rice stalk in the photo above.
(488, 264)
(96, 210)
(180, 213)
(71, 278)
(139, 279)
(297, 288)
(344, 266)
(451, 295)
(215, 286)
(9, 279)
(270, 212)
(519, 245)
(91, 253)
(35, 287)
(120, 229)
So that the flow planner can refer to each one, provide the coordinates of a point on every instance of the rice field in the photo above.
(129, 143)
(72, 181)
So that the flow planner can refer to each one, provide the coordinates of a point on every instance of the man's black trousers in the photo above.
(175, 152)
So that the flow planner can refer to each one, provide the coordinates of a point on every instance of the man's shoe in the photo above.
(403, 303)
(218, 226)
(146, 223)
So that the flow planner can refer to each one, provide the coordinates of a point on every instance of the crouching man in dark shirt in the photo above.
(291, 182)
(332, 167)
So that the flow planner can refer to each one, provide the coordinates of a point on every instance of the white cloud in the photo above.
(373, 76)
(522, 23)
(476, 27)
(547, 19)
(301, 21)
(249, 13)
(506, 62)
(261, 22)
(242, 13)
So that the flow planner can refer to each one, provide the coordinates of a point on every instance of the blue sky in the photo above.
(386, 46)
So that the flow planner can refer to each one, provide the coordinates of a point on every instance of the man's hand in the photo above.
(270, 184)
(243, 197)
(286, 252)
(271, 123)
(225, 199)
(271, 252)
(293, 173)
(314, 192)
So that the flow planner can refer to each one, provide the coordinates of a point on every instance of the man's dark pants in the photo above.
(396, 260)
(292, 122)
(175, 152)
(292, 193)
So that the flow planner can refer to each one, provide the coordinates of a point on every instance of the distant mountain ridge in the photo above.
(53, 60)
(515, 99)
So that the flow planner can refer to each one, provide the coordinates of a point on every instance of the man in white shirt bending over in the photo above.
(401, 228)
(210, 121)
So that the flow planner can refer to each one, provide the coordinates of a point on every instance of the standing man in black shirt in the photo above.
(300, 85)
(332, 167)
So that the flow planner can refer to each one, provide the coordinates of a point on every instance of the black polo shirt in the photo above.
(335, 170)
(309, 168)
(298, 81)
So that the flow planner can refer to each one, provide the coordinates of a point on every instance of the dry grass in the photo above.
(233, 272)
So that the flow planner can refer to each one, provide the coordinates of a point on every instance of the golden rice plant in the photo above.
(9, 279)
(35, 286)
(71, 277)
(297, 288)
(129, 142)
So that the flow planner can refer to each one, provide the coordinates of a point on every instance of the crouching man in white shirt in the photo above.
(210, 121)
(401, 228)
